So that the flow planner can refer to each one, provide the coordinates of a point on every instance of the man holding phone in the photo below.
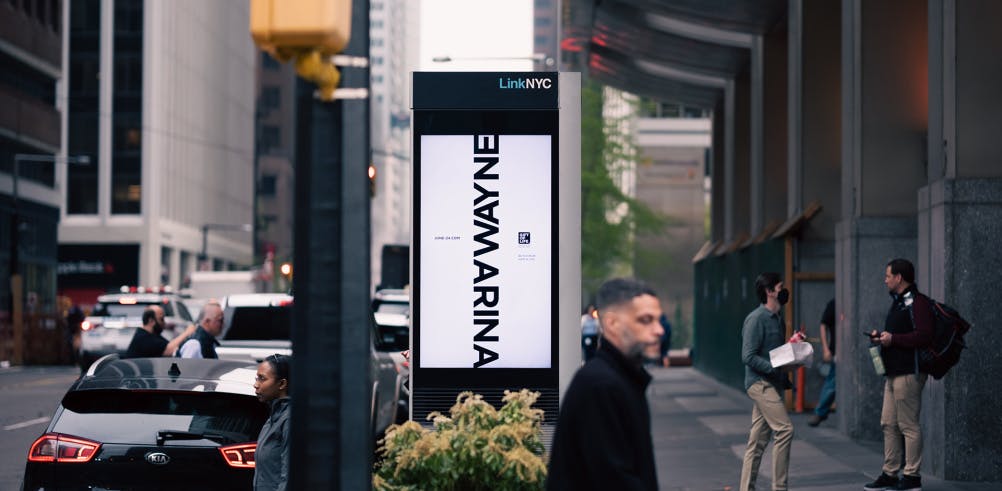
(908, 327)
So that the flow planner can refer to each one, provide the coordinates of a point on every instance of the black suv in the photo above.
(152, 423)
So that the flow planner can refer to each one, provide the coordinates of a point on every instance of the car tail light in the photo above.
(56, 447)
(240, 455)
(284, 303)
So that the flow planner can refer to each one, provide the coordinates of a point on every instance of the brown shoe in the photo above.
(816, 420)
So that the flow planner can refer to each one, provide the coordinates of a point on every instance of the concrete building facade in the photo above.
(393, 55)
(170, 120)
(32, 90)
(845, 134)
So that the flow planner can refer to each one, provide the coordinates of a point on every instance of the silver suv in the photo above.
(116, 317)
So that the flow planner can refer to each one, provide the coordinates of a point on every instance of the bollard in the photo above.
(801, 376)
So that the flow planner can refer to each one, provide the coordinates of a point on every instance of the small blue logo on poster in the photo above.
(523, 238)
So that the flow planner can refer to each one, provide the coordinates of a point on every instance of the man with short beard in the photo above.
(147, 341)
(762, 332)
(908, 328)
(603, 436)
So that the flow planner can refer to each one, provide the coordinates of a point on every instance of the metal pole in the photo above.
(203, 258)
(15, 229)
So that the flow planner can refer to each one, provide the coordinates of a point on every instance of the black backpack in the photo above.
(948, 330)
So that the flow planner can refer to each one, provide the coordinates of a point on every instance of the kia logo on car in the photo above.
(157, 458)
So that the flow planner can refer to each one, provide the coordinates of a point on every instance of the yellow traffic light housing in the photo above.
(308, 31)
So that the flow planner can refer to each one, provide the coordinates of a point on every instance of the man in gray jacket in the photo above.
(762, 332)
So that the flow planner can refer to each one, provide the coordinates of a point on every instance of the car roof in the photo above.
(392, 295)
(256, 300)
(140, 297)
(173, 374)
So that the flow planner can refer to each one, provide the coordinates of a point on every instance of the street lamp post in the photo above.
(203, 258)
(15, 239)
(535, 57)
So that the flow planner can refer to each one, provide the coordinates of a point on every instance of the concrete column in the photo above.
(730, 126)
(741, 157)
(819, 117)
(959, 223)
(884, 121)
(774, 129)
(718, 202)
(813, 160)
(756, 132)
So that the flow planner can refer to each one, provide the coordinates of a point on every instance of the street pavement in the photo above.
(700, 429)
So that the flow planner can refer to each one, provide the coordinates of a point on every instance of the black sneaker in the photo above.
(883, 482)
(816, 420)
(910, 483)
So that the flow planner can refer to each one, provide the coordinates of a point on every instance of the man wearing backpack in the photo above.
(908, 327)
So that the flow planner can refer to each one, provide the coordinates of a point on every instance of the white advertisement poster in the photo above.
(485, 242)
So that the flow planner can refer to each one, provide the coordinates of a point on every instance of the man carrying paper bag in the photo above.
(795, 352)
(765, 382)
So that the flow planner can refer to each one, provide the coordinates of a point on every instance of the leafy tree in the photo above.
(610, 219)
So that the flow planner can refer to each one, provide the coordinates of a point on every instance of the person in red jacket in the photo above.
(908, 327)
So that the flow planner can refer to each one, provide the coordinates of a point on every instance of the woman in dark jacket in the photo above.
(271, 469)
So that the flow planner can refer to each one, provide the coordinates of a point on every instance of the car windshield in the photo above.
(257, 323)
(137, 417)
(115, 309)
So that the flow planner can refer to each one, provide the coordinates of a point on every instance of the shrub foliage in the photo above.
(477, 447)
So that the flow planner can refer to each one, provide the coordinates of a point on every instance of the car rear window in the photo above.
(257, 323)
(129, 416)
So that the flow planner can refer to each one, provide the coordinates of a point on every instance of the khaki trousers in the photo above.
(768, 417)
(900, 417)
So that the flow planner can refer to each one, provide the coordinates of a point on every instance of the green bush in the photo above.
(477, 448)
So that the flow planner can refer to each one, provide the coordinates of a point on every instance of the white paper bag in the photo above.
(801, 353)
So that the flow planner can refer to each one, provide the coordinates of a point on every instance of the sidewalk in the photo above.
(700, 429)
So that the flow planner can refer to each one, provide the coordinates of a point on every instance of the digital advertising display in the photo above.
(486, 258)
(484, 269)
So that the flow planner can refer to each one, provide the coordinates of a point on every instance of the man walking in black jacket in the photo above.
(603, 436)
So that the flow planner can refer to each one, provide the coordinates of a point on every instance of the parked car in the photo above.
(116, 317)
(152, 423)
(256, 325)
(391, 309)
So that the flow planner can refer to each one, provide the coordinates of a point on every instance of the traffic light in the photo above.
(307, 31)
(372, 180)
(286, 270)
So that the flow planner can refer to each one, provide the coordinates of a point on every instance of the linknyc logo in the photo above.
(524, 83)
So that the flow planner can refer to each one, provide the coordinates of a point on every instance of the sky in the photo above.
(463, 29)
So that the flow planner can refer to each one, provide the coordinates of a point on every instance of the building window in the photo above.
(127, 109)
(270, 63)
(269, 99)
(84, 118)
(271, 138)
(268, 185)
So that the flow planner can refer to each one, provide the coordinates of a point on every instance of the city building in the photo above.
(393, 55)
(162, 97)
(545, 34)
(275, 127)
(31, 95)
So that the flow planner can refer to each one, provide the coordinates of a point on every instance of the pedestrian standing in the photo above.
(203, 343)
(603, 435)
(147, 341)
(589, 333)
(908, 327)
(762, 332)
(271, 467)
(827, 397)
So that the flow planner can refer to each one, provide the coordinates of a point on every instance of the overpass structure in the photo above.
(844, 134)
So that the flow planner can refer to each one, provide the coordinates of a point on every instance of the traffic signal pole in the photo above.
(331, 386)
